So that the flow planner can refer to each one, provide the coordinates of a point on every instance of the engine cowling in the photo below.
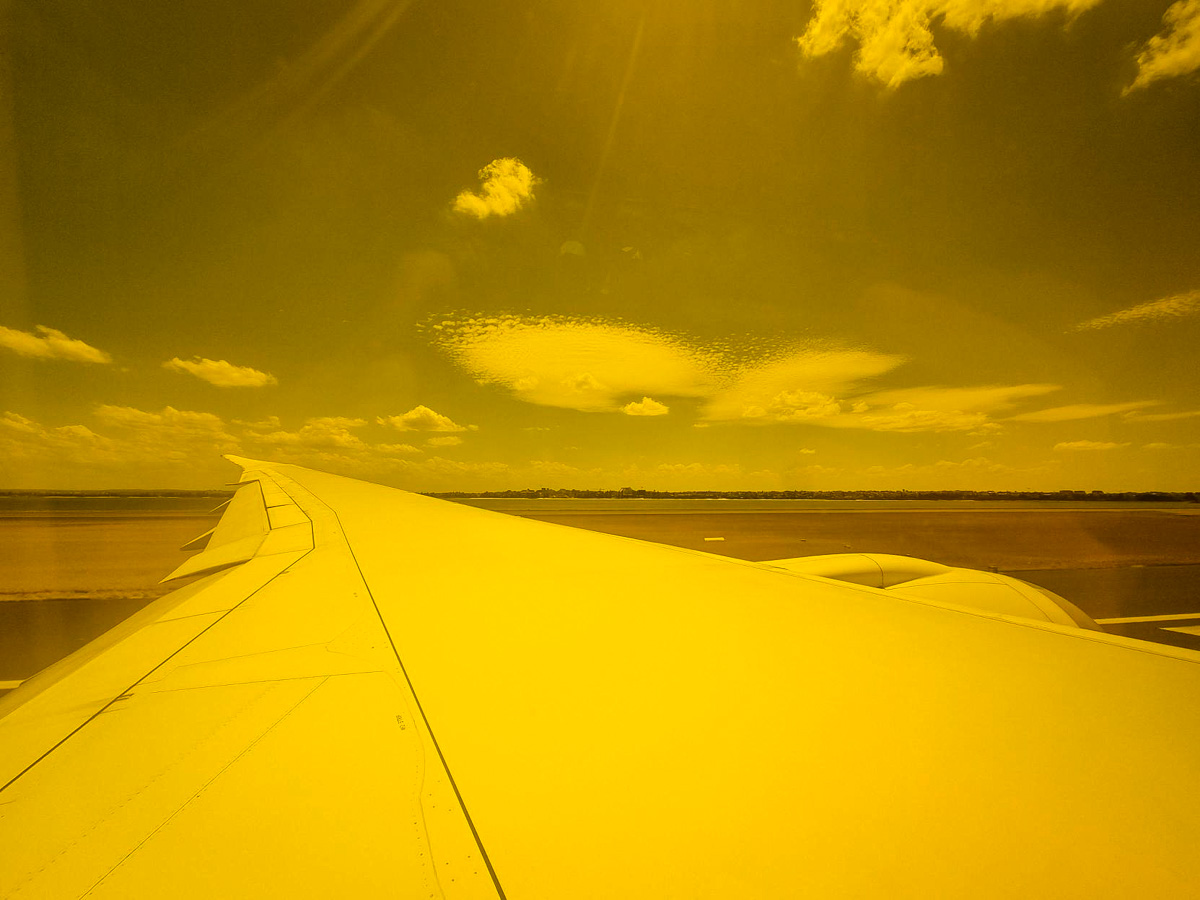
(920, 579)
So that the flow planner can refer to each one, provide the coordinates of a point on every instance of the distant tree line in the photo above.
(628, 493)
(643, 494)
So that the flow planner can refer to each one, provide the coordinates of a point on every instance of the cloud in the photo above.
(1089, 445)
(327, 431)
(449, 440)
(645, 407)
(168, 442)
(220, 372)
(422, 418)
(936, 408)
(573, 363)
(799, 386)
(596, 365)
(1135, 416)
(50, 343)
(1177, 306)
(895, 43)
(1080, 411)
(171, 433)
(22, 438)
(920, 409)
(1175, 50)
(507, 185)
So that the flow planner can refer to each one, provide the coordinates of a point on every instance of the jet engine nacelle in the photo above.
(920, 579)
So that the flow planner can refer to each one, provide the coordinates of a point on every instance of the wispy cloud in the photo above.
(647, 406)
(595, 365)
(894, 37)
(506, 186)
(1089, 445)
(1081, 411)
(1175, 50)
(802, 385)
(221, 373)
(449, 440)
(935, 408)
(1136, 416)
(50, 343)
(1177, 306)
(422, 418)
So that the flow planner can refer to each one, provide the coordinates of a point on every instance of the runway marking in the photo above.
(1132, 619)
(715, 539)
(1194, 629)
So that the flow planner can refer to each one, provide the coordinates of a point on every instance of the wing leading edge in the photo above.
(433, 700)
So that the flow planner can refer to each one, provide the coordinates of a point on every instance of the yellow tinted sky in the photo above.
(754, 245)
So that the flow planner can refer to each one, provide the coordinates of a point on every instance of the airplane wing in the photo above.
(370, 693)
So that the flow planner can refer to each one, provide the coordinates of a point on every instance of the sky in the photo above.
(714, 245)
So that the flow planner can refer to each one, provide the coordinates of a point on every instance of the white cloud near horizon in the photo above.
(1135, 416)
(1174, 51)
(1081, 411)
(506, 185)
(1177, 306)
(221, 373)
(422, 418)
(1089, 445)
(647, 406)
(50, 343)
(895, 43)
(334, 434)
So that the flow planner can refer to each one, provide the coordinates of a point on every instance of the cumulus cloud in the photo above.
(126, 438)
(220, 372)
(422, 418)
(1089, 445)
(1174, 51)
(50, 343)
(895, 43)
(329, 442)
(169, 421)
(1177, 306)
(1080, 411)
(505, 186)
(325, 431)
(645, 407)
(22, 438)
(448, 440)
